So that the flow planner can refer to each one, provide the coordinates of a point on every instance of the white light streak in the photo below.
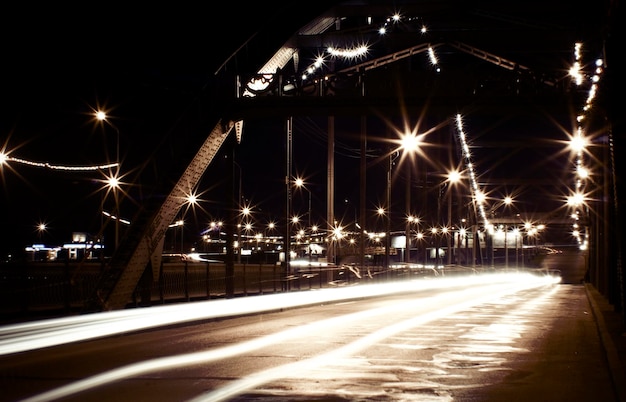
(457, 293)
(447, 304)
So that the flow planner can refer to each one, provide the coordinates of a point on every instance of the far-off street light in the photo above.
(454, 177)
(300, 184)
(102, 116)
(113, 185)
(410, 144)
(113, 181)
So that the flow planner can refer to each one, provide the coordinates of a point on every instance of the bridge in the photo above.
(375, 67)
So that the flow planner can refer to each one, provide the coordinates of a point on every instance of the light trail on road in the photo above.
(456, 294)
(447, 303)
(21, 337)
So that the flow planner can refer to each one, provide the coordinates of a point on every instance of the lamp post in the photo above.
(41, 229)
(114, 179)
(492, 235)
(245, 212)
(507, 201)
(462, 238)
(300, 184)
(174, 225)
(478, 200)
(527, 229)
(388, 228)
(381, 213)
(182, 241)
(412, 219)
(410, 145)
(516, 236)
(453, 177)
(420, 238)
(435, 243)
(113, 185)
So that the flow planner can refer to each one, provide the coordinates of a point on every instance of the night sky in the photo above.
(151, 69)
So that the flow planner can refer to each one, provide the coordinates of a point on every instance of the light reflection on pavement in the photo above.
(427, 358)
(416, 346)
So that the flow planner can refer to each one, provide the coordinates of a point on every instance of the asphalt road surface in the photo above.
(487, 337)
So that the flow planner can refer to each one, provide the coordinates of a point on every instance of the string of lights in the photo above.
(477, 193)
(361, 50)
(579, 141)
(6, 159)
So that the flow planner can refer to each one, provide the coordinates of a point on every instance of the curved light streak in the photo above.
(472, 291)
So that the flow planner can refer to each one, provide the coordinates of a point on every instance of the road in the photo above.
(486, 337)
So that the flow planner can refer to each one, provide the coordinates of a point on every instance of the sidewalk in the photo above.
(612, 332)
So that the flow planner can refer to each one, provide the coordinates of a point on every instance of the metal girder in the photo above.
(267, 106)
(125, 274)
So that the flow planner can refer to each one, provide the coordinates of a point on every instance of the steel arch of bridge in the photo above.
(283, 96)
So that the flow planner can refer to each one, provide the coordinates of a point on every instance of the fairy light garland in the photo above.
(479, 201)
(361, 50)
(578, 141)
(6, 159)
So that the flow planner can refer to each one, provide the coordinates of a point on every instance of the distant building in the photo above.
(41, 252)
(82, 246)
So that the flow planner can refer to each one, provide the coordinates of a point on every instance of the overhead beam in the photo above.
(281, 106)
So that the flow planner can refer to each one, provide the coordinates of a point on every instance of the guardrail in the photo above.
(33, 290)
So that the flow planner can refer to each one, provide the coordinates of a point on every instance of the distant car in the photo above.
(189, 258)
(200, 257)
(170, 258)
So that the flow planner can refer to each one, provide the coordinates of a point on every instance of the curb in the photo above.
(615, 365)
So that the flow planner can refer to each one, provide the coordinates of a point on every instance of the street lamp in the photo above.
(336, 235)
(435, 242)
(516, 236)
(296, 219)
(191, 200)
(300, 184)
(245, 212)
(41, 229)
(507, 201)
(528, 227)
(174, 225)
(454, 176)
(113, 184)
(101, 116)
(420, 237)
(410, 144)
(410, 220)
(382, 213)
(113, 181)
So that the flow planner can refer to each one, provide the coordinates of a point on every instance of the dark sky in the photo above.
(146, 65)
(152, 67)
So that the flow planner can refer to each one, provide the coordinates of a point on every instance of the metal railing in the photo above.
(35, 290)
(41, 289)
